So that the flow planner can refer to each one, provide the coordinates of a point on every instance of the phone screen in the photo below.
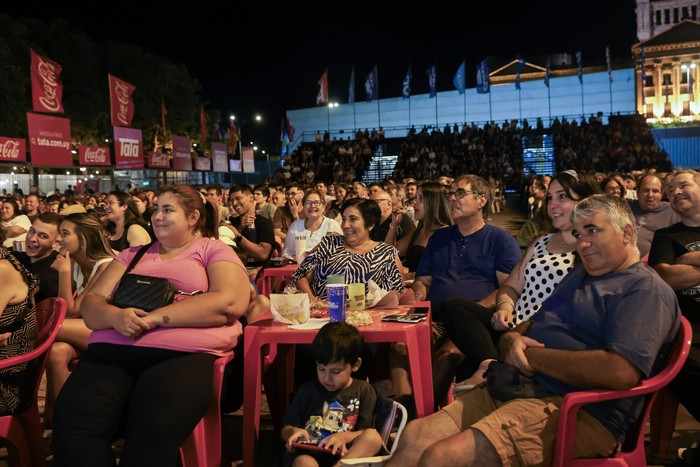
(418, 310)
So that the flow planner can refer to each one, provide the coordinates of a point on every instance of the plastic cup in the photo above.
(335, 279)
(299, 248)
(356, 297)
(337, 299)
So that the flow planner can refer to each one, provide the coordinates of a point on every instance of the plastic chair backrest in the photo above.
(385, 420)
(50, 313)
(632, 450)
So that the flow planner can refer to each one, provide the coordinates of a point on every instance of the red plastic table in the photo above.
(265, 282)
(416, 337)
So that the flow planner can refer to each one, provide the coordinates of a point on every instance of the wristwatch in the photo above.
(238, 239)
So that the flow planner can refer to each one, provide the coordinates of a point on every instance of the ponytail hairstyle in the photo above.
(192, 200)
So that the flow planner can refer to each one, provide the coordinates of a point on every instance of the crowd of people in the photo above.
(555, 304)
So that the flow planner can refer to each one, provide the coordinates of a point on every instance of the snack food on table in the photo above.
(358, 318)
(319, 309)
(290, 308)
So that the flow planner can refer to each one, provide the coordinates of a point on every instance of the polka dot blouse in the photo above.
(542, 273)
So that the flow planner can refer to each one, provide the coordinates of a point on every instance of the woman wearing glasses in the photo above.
(313, 227)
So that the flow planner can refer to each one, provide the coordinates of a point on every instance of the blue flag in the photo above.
(482, 77)
(460, 79)
(406, 88)
(644, 77)
(547, 72)
(518, 69)
(580, 67)
(372, 85)
(351, 88)
(431, 80)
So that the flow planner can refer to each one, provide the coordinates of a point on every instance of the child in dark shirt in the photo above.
(334, 411)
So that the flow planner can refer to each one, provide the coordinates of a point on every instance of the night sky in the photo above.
(265, 58)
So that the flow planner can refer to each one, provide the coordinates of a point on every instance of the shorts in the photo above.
(523, 430)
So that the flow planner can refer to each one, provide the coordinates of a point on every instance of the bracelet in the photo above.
(392, 226)
(501, 302)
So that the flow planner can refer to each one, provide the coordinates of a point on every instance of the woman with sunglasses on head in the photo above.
(313, 227)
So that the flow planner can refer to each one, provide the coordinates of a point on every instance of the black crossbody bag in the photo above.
(146, 293)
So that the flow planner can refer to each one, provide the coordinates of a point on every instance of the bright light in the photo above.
(106, 141)
(332, 104)
(83, 169)
(14, 168)
(255, 148)
(97, 171)
(74, 151)
(263, 151)
(258, 118)
(232, 117)
(67, 172)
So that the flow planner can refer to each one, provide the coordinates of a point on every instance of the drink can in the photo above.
(337, 298)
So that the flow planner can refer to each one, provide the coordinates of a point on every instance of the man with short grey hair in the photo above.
(650, 212)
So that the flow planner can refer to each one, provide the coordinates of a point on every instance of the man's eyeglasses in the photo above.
(459, 194)
(312, 203)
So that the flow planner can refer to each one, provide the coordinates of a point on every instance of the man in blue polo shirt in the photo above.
(469, 259)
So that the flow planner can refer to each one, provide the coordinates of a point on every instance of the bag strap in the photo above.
(137, 257)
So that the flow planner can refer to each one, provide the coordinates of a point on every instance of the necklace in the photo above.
(566, 244)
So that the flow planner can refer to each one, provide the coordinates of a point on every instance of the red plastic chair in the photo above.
(24, 431)
(662, 423)
(203, 447)
(632, 452)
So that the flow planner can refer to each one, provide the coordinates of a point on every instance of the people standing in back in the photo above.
(261, 194)
(125, 225)
(31, 206)
(214, 193)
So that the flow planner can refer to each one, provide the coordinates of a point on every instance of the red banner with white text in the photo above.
(219, 157)
(13, 149)
(122, 105)
(158, 160)
(47, 88)
(182, 155)
(93, 155)
(128, 148)
(49, 140)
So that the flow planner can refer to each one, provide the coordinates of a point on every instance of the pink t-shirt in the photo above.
(187, 272)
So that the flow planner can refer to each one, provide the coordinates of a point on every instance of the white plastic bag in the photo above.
(290, 308)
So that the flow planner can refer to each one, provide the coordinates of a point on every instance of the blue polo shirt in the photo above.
(465, 267)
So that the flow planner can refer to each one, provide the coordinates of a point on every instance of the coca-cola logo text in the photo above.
(10, 150)
(96, 154)
(159, 159)
(124, 99)
(49, 79)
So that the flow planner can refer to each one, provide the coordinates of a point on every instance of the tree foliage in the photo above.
(86, 64)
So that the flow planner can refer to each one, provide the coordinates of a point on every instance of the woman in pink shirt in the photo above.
(146, 377)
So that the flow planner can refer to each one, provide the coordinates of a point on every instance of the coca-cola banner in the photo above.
(182, 157)
(120, 99)
(247, 159)
(202, 163)
(158, 160)
(13, 149)
(49, 140)
(93, 155)
(219, 157)
(47, 88)
(128, 148)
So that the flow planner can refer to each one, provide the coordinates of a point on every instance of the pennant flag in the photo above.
(47, 87)
(607, 59)
(203, 123)
(547, 72)
(460, 78)
(163, 114)
(432, 78)
(406, 88)
(322, 96)
(482, 77)
(518, 69)
(580, 67)
(351, 88)
(234, 136)
(372, 85)
(644, 77)
(122, 105)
